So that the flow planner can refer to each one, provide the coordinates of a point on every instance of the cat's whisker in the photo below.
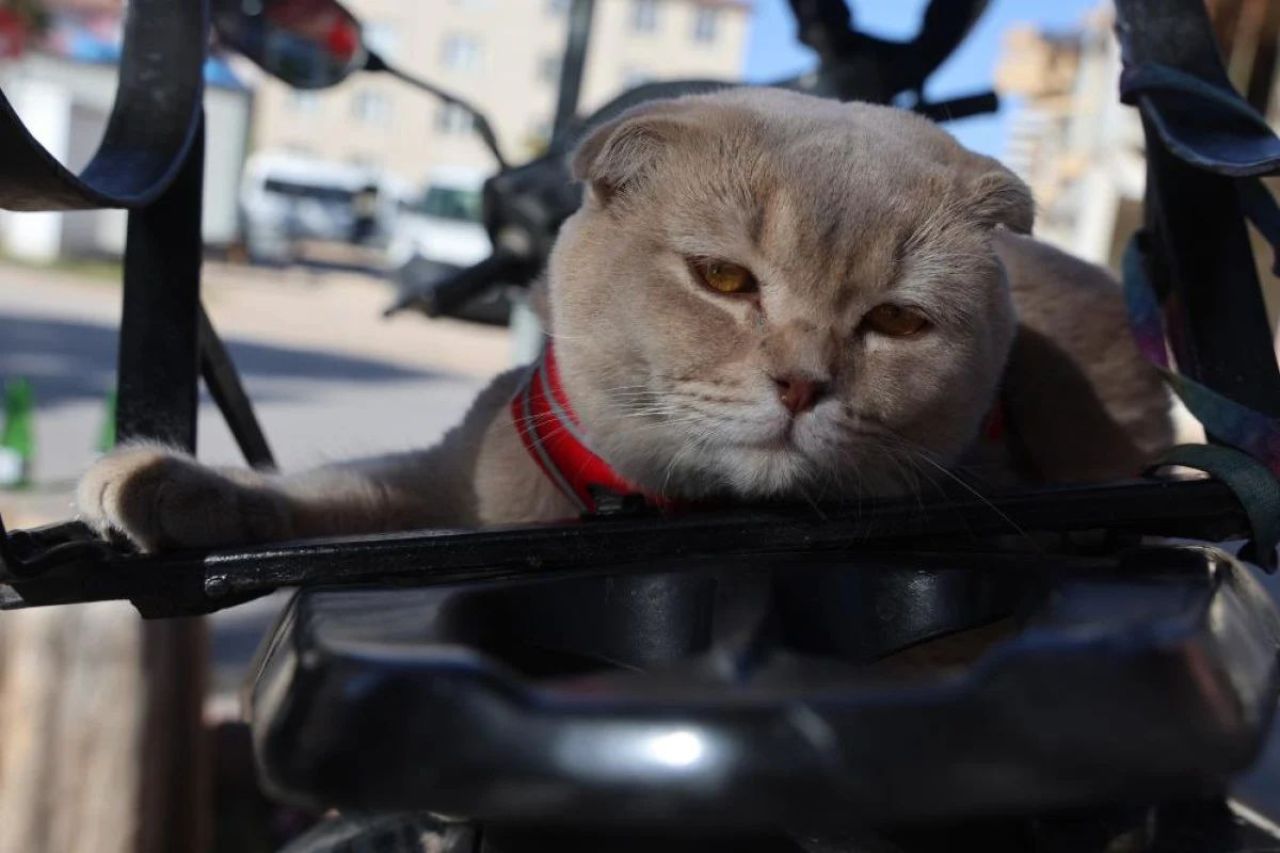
(693, 442)
(640, 392)
(671, 467)
(977, 494)
(654, 407)
(804, 494)
(920, 474)
(560, 336)
(900, 472)
(666, 417)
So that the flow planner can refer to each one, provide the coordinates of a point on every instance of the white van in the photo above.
(286, 199)
(443, 224)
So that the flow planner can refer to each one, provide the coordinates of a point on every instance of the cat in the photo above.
(763, 295)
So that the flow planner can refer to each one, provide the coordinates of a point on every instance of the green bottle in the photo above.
(18, 439)
(107, 435)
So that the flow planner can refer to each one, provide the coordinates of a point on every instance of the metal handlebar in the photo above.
(447, 296)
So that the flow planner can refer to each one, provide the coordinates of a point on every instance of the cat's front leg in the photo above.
(161, 498)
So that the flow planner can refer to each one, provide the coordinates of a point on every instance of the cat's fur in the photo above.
(836, 208)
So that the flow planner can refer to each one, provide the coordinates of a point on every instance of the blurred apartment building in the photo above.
(503, 55)
(1081, 150)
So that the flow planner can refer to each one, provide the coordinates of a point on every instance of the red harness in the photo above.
(552, 435)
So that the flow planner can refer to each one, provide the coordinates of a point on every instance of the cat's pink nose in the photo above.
(799, 393)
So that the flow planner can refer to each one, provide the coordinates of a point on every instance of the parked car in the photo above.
(288, 199)
(442, 224)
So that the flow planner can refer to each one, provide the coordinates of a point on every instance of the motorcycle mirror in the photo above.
(309, 44)
(315, 44)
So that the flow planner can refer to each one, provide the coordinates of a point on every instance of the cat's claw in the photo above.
(162, 499)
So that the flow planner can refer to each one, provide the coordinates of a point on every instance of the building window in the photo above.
(371, 107)
(461, 53)
(705, 21)
(452, 120)
(644, 16)
(304, 102)
(549, 69)
(632, 77)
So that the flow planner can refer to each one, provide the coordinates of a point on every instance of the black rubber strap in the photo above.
(1205, 124)
(1257, 489)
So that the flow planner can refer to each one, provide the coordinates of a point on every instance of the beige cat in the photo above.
(764, 295)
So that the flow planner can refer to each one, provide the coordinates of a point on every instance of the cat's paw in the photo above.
(160, 498)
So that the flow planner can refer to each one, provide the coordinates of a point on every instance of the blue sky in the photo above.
(774, 53)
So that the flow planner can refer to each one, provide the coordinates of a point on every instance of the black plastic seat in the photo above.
(760, 695)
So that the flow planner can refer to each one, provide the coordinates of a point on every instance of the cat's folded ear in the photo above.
(619, 155)
(999, 197)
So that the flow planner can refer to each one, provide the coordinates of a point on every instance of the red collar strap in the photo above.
(552, 435)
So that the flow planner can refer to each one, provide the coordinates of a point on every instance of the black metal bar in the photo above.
(573, 65)
(943, 27)
(857, 66)
(825, 26)
(9, 563)
(1200, 254)
(158, 376)
(149, 134)
(191, 582)
(610, 544)
(1207, 262)
(223, 381)
(159, 327)
(959, 107)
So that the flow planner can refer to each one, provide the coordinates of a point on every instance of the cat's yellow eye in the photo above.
(724, 277)
(895, 320)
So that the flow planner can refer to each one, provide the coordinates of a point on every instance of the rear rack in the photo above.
(67, 564)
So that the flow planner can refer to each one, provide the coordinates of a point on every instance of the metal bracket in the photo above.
(223, 381)
(152, 126)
